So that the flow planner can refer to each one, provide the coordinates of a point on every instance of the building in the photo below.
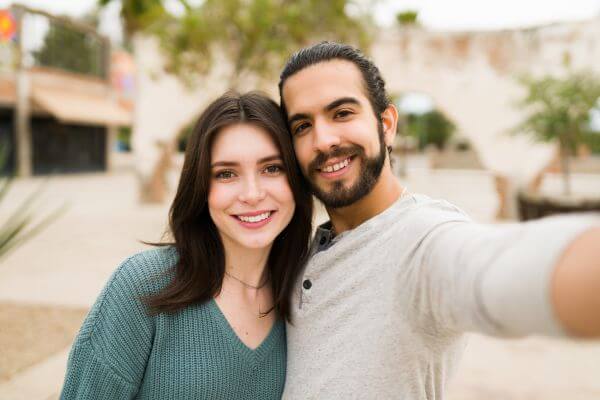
(58, 110)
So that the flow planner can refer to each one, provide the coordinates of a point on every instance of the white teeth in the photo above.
(255, 218)
(338, 166)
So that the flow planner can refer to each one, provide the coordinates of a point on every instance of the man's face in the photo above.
(339, 142)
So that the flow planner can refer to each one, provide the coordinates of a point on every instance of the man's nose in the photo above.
(253, 192)
(324, 137)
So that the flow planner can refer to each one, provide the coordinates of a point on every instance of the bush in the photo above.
(431, 128)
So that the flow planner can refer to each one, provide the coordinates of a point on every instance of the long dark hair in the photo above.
(198, 274)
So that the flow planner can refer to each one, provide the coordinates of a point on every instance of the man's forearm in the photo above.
(576, 285)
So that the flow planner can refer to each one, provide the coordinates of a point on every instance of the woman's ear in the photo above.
(389, 120)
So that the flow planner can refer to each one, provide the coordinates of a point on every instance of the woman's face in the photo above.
(249, 200)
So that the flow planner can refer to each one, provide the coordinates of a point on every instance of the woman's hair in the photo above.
(198, 274)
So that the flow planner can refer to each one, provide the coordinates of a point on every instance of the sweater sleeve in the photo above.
(110, 353)
(496, 279)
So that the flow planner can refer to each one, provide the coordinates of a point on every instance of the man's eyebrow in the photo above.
(328, 107)
(344, 100)
(274, 157)
(297, 117)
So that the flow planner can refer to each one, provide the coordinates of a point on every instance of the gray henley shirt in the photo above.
(380, 311)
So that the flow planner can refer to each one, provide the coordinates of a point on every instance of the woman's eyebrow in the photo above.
(224, 164)
(274, 157)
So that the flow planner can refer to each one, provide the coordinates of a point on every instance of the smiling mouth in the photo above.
(254, 218)
(328, 169)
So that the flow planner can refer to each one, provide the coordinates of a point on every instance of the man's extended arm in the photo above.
(540, 277)
(576, 285)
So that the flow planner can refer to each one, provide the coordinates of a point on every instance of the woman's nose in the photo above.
(253, 192)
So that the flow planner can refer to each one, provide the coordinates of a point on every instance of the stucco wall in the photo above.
(471, 76)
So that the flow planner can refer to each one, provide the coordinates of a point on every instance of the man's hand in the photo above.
(576, 286)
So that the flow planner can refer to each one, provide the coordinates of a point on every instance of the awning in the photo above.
(81, 108)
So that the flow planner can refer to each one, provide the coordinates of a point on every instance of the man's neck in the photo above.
(385, 192)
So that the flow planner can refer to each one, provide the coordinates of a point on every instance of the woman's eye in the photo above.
(224, 175)
(273, 169)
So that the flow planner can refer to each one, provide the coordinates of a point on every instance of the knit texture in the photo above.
(122, 353)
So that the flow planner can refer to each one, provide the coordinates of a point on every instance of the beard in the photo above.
(339, 195)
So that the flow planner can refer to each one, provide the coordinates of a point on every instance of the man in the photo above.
(396, 279)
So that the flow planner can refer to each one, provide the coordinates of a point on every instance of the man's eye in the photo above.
(224, 175)
(343, 113)
(273, 169)
(301, 127)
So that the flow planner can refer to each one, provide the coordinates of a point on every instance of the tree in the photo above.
(406, 18)
(431, 127)
(256, 36)
(138, 15)
(71, 50)
(560, 112)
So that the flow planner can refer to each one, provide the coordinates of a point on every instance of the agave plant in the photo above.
(20, 225)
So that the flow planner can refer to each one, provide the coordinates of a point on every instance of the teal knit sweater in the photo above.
(122, 353)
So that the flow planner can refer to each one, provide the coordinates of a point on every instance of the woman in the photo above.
(203, 317)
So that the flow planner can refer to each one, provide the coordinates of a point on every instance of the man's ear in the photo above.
(389, 119)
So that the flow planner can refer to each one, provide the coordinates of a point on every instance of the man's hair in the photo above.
(327, 51)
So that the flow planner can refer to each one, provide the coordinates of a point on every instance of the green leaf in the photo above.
(19, 226)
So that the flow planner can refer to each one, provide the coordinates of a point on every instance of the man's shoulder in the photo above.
(422, 212)
(427, 205)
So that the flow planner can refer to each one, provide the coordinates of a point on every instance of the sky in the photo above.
(489, 14)
(435, 14)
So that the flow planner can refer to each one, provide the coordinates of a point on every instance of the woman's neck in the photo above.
(246, 265)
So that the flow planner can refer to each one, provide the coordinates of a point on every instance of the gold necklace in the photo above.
(247, 284)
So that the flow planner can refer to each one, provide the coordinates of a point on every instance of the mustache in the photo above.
(322, 158)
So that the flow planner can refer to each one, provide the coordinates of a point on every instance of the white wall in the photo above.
(472, 77)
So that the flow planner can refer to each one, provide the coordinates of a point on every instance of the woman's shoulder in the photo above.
(147, 270)
(153, 260)
(121, 299)
(118, 331)
(138, 276)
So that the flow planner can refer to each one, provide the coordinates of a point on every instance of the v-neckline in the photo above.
(251, 354)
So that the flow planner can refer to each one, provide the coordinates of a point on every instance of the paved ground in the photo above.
(67, 265)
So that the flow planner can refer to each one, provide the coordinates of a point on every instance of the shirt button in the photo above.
(307, 284)
(323, 240)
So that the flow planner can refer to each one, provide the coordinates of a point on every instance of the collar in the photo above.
(323, 237)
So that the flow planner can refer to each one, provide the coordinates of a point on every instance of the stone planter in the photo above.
(533, 206)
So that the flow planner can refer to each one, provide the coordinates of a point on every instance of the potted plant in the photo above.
(559, 111)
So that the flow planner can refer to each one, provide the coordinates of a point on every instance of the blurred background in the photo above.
(499, 115)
